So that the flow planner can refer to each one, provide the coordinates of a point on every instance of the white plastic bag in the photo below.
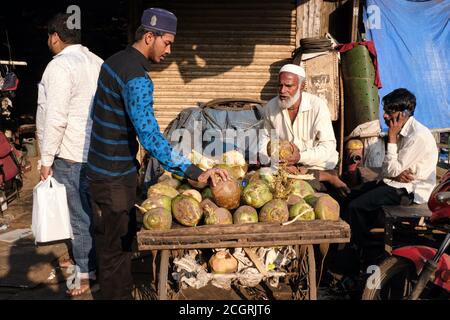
(50, 219)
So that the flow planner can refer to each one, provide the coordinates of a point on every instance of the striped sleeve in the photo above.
(138, 94)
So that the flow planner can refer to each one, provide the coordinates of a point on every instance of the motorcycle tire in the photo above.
(397, 278)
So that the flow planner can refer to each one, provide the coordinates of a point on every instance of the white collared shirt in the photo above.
(416, 150)
(312, 131)
(65, 97)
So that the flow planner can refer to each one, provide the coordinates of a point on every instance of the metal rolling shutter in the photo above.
(226, 49)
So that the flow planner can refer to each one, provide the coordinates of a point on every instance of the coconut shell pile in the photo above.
(248, 197)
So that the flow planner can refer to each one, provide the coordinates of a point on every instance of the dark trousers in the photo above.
(363, 211)
(114, 230)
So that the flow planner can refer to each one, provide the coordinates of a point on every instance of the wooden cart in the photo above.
(302, 234)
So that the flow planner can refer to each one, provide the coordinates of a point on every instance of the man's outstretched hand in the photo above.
(214, 174)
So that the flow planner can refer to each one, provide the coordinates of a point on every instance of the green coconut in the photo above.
(156, 201)
(245, 214)
(303, 210)
(294, 199)
(267, 175)
(274, 211)
(300, 188)
(312, 198)
(194, 194)
(257, 194)
(186, 210)
(162, 189)
(326, 208)
(215, 215)
(165, 179)
(158, 219)
(197, 185)
(184, 187)
(207, 193)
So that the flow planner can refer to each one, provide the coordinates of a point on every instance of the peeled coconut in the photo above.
(257, 194)
(303, 210)
(156, 201)
(283, 147)
(300, 188)
(158, 219)
(215, 215)
(227, 194)
(274, 211)
(194, 194)
(162, 189)
(186, 210)
(223, 262)
(245, 214)
(327, 208)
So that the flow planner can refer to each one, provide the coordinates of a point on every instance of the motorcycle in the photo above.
(418, 272)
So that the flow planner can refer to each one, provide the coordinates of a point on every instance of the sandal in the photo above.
(86, 286)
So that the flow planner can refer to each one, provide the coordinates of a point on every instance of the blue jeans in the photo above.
(73, 176)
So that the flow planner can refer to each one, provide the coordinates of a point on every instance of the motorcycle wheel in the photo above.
(397, 278)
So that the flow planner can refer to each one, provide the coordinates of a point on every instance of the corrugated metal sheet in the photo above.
(223, 49)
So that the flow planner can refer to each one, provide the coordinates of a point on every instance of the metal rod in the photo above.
(14, 63)
(442, 248)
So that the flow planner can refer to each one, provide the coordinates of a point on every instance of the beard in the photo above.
(286, 104)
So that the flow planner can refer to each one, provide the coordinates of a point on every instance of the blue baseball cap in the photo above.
(159, 20)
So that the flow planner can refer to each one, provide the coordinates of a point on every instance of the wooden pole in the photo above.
(355, 21)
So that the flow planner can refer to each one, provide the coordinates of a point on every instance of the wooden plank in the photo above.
(254, 228)
(313, 234)
(145, 246)
(255, 259)
(249, 238)
(223, 233)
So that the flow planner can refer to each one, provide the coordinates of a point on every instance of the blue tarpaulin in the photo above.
(412, 39)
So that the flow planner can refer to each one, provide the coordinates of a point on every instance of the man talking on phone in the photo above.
(408, 173)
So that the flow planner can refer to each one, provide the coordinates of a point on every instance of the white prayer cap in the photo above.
(295, 69)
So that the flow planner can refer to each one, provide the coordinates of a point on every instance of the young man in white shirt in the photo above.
(66, 94)
(408, 171)
(304, 120)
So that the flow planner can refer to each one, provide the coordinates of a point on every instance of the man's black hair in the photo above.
(400, 100)
(58, 24)
(141, 31)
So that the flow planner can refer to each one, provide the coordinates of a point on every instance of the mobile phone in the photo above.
(406, 113)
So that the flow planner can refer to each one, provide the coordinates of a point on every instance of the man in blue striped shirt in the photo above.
(123, 109)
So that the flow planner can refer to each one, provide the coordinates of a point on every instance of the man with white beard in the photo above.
(304, 120)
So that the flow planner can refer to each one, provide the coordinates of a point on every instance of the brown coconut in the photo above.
(227, 194)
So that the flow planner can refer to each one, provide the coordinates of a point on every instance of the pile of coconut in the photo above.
(248, 197)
